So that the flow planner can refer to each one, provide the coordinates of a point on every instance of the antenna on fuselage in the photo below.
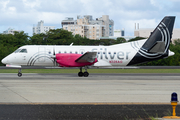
(71, 44)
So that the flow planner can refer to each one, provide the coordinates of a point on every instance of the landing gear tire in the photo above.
(80, 74)
(86, 74)
(19, 74)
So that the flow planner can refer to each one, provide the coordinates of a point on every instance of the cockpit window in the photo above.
(17, 50)
(23, 51)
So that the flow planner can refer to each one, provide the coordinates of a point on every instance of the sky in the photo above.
(24, 14)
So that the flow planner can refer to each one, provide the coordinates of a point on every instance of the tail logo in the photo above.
(165, 37)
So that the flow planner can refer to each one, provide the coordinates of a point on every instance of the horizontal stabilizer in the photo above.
(87, 57)
(158, 47)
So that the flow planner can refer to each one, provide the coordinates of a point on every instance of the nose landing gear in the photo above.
(19, 73)
(85, 74)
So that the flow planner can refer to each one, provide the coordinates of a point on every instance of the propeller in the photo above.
(54, 57)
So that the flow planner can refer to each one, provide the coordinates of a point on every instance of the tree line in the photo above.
(9, 43)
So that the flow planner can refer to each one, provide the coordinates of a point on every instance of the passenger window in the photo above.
(23, 51)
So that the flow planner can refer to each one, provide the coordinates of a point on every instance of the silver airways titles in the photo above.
(111, 55)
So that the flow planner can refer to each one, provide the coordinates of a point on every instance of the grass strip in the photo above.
(92, 70)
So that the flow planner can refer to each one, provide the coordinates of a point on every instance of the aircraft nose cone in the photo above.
(4, 61)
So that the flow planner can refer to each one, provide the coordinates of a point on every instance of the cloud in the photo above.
(21, 14)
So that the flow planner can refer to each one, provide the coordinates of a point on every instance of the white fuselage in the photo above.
(42, 55)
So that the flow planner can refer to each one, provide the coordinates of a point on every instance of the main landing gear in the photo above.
(19, 73)
(85, 74)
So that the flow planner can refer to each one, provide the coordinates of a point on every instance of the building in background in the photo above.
(119, 33)
(10, 31)
(87, 27)
(40, 28)
(68, 21)
(146, 32)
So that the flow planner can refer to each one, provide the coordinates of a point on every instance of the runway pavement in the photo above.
(110, 88)
(98, 93)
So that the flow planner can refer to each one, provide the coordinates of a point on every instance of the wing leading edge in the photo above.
(87, 57)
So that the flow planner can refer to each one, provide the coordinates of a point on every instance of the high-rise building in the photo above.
(87, 27)
(40, 28)
(68, 21)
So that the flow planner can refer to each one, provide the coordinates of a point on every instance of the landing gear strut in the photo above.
(19, 73)
(85, 74)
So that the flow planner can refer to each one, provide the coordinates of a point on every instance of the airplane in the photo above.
(125, 54)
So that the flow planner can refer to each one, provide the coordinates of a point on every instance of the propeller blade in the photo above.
(54, 54)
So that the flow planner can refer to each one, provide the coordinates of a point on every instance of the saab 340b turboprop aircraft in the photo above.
(153, 48)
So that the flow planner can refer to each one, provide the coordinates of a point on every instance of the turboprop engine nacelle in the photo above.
(69, 60)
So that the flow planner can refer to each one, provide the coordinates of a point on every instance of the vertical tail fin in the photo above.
(157, 45)
(159, 40)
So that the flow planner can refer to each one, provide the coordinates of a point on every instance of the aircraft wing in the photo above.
(87, 57)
